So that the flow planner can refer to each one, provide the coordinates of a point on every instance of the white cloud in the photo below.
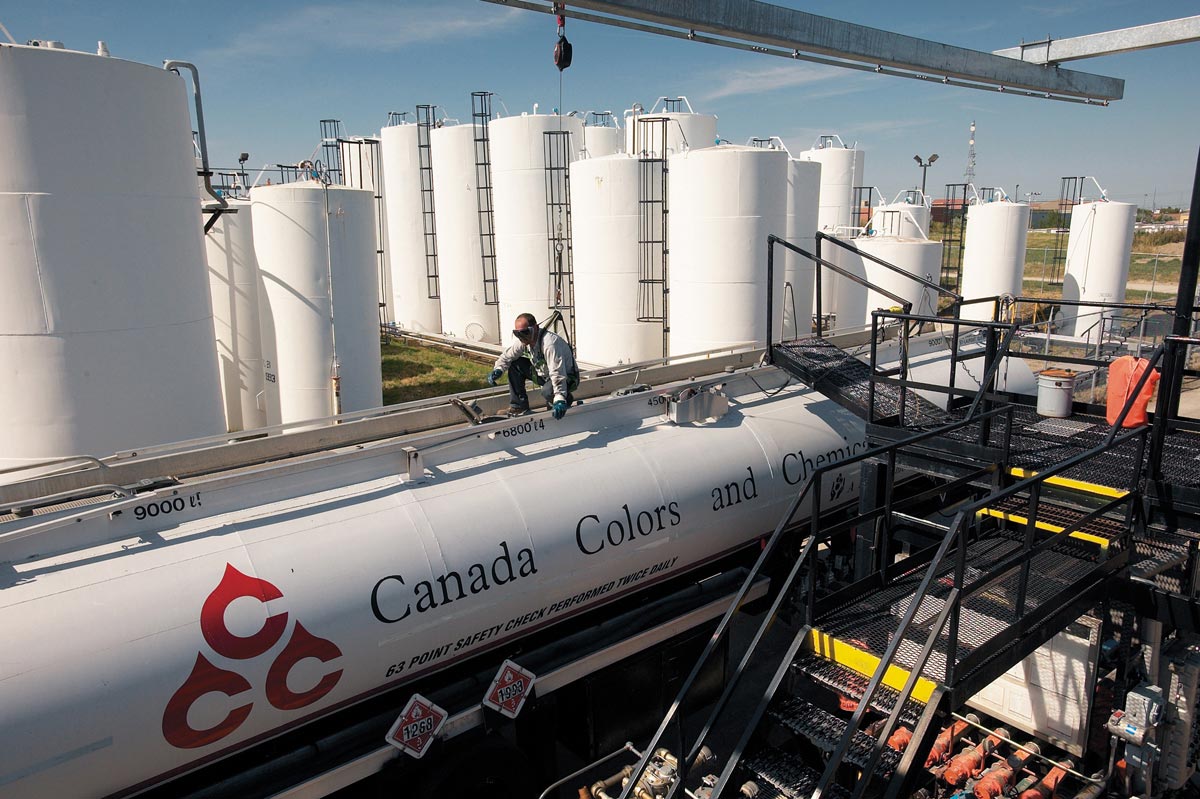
(822, 81)
(365, 26)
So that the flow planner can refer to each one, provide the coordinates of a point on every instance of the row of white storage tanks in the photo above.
(107, 329)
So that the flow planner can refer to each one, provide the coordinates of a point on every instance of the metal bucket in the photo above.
(1056, 392)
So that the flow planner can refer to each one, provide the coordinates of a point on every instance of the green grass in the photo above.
(413, 372)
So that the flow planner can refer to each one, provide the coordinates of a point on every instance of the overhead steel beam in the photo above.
(1125, 40)
(762, 27)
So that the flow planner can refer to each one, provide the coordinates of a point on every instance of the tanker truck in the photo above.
(264, 616)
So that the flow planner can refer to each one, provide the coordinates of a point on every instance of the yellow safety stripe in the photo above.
(1078, 485)
(1053, 528)
(865, 664)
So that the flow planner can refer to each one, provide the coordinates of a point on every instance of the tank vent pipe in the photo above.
(175, 66)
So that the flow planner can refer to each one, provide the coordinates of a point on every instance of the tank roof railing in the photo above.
(667, 102)
(601, 119)
(214, 454)
(1099, 188)
(831, 140)
(905, 197)
(768, 143)
(210, 469)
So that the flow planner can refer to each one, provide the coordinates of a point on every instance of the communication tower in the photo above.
(969, 175)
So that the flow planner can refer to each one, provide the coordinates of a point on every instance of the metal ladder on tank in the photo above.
(481, 114)
(1070, 195)
(428, 221)
(368, 157)
(861, 213)
(953, 233)
(653, 245)
(558, 226)
(331, 151)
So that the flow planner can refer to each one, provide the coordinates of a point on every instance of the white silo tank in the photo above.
(993, 254)
(521, 190)
(316, 254)
(234, 280)
(605, 221)
(803, 197)
(362, 168)
(725, 201)
(849, 298)
(841, 172)
(904, 220)
(685, 130)
(412, 307)
(1097, 267)
(919, 257)
(599, 141)
(106, 332)
(465, 312)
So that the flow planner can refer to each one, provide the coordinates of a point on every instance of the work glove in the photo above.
(560, 409)
(493, 376)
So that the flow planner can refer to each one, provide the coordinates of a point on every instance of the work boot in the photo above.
(517, 410)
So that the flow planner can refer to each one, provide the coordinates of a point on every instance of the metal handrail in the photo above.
(955, 532)
(955, 296)
(812, 481)
(772, 240)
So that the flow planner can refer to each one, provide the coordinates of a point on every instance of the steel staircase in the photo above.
(851, 684)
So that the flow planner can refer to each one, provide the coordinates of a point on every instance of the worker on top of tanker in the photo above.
(543, 357)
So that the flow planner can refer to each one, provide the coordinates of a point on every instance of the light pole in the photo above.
(924, 166)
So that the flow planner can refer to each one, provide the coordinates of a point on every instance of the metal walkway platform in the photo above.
(846, 380)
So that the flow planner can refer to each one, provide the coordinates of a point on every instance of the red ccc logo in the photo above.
(207, 678)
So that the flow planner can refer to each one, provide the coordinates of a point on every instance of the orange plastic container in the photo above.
(1123, 375)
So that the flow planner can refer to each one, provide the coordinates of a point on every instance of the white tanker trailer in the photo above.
(150, 635)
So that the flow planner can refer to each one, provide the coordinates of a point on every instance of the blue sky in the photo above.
(271, 70)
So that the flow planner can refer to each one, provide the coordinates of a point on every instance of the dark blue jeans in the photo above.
(519, 371)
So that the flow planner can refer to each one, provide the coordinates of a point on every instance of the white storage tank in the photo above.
(841, 172)
(234, 282)
(841, 295)
(316, 252)
(916, 256)
(903, 219)
(522, 188)
(803, 197)
(605, 221)
(465, 312)
(725, 201)
(411, 305)
(106, 331)
(685, 129)
(919, 257)
(362, 168)
(1097, 263)
(993, 254)
(601, 139)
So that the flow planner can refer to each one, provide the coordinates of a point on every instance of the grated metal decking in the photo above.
(870, 620)
(825, 729)
(786, 776)
(1036, 442)
(853, 684)
(846, 380)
